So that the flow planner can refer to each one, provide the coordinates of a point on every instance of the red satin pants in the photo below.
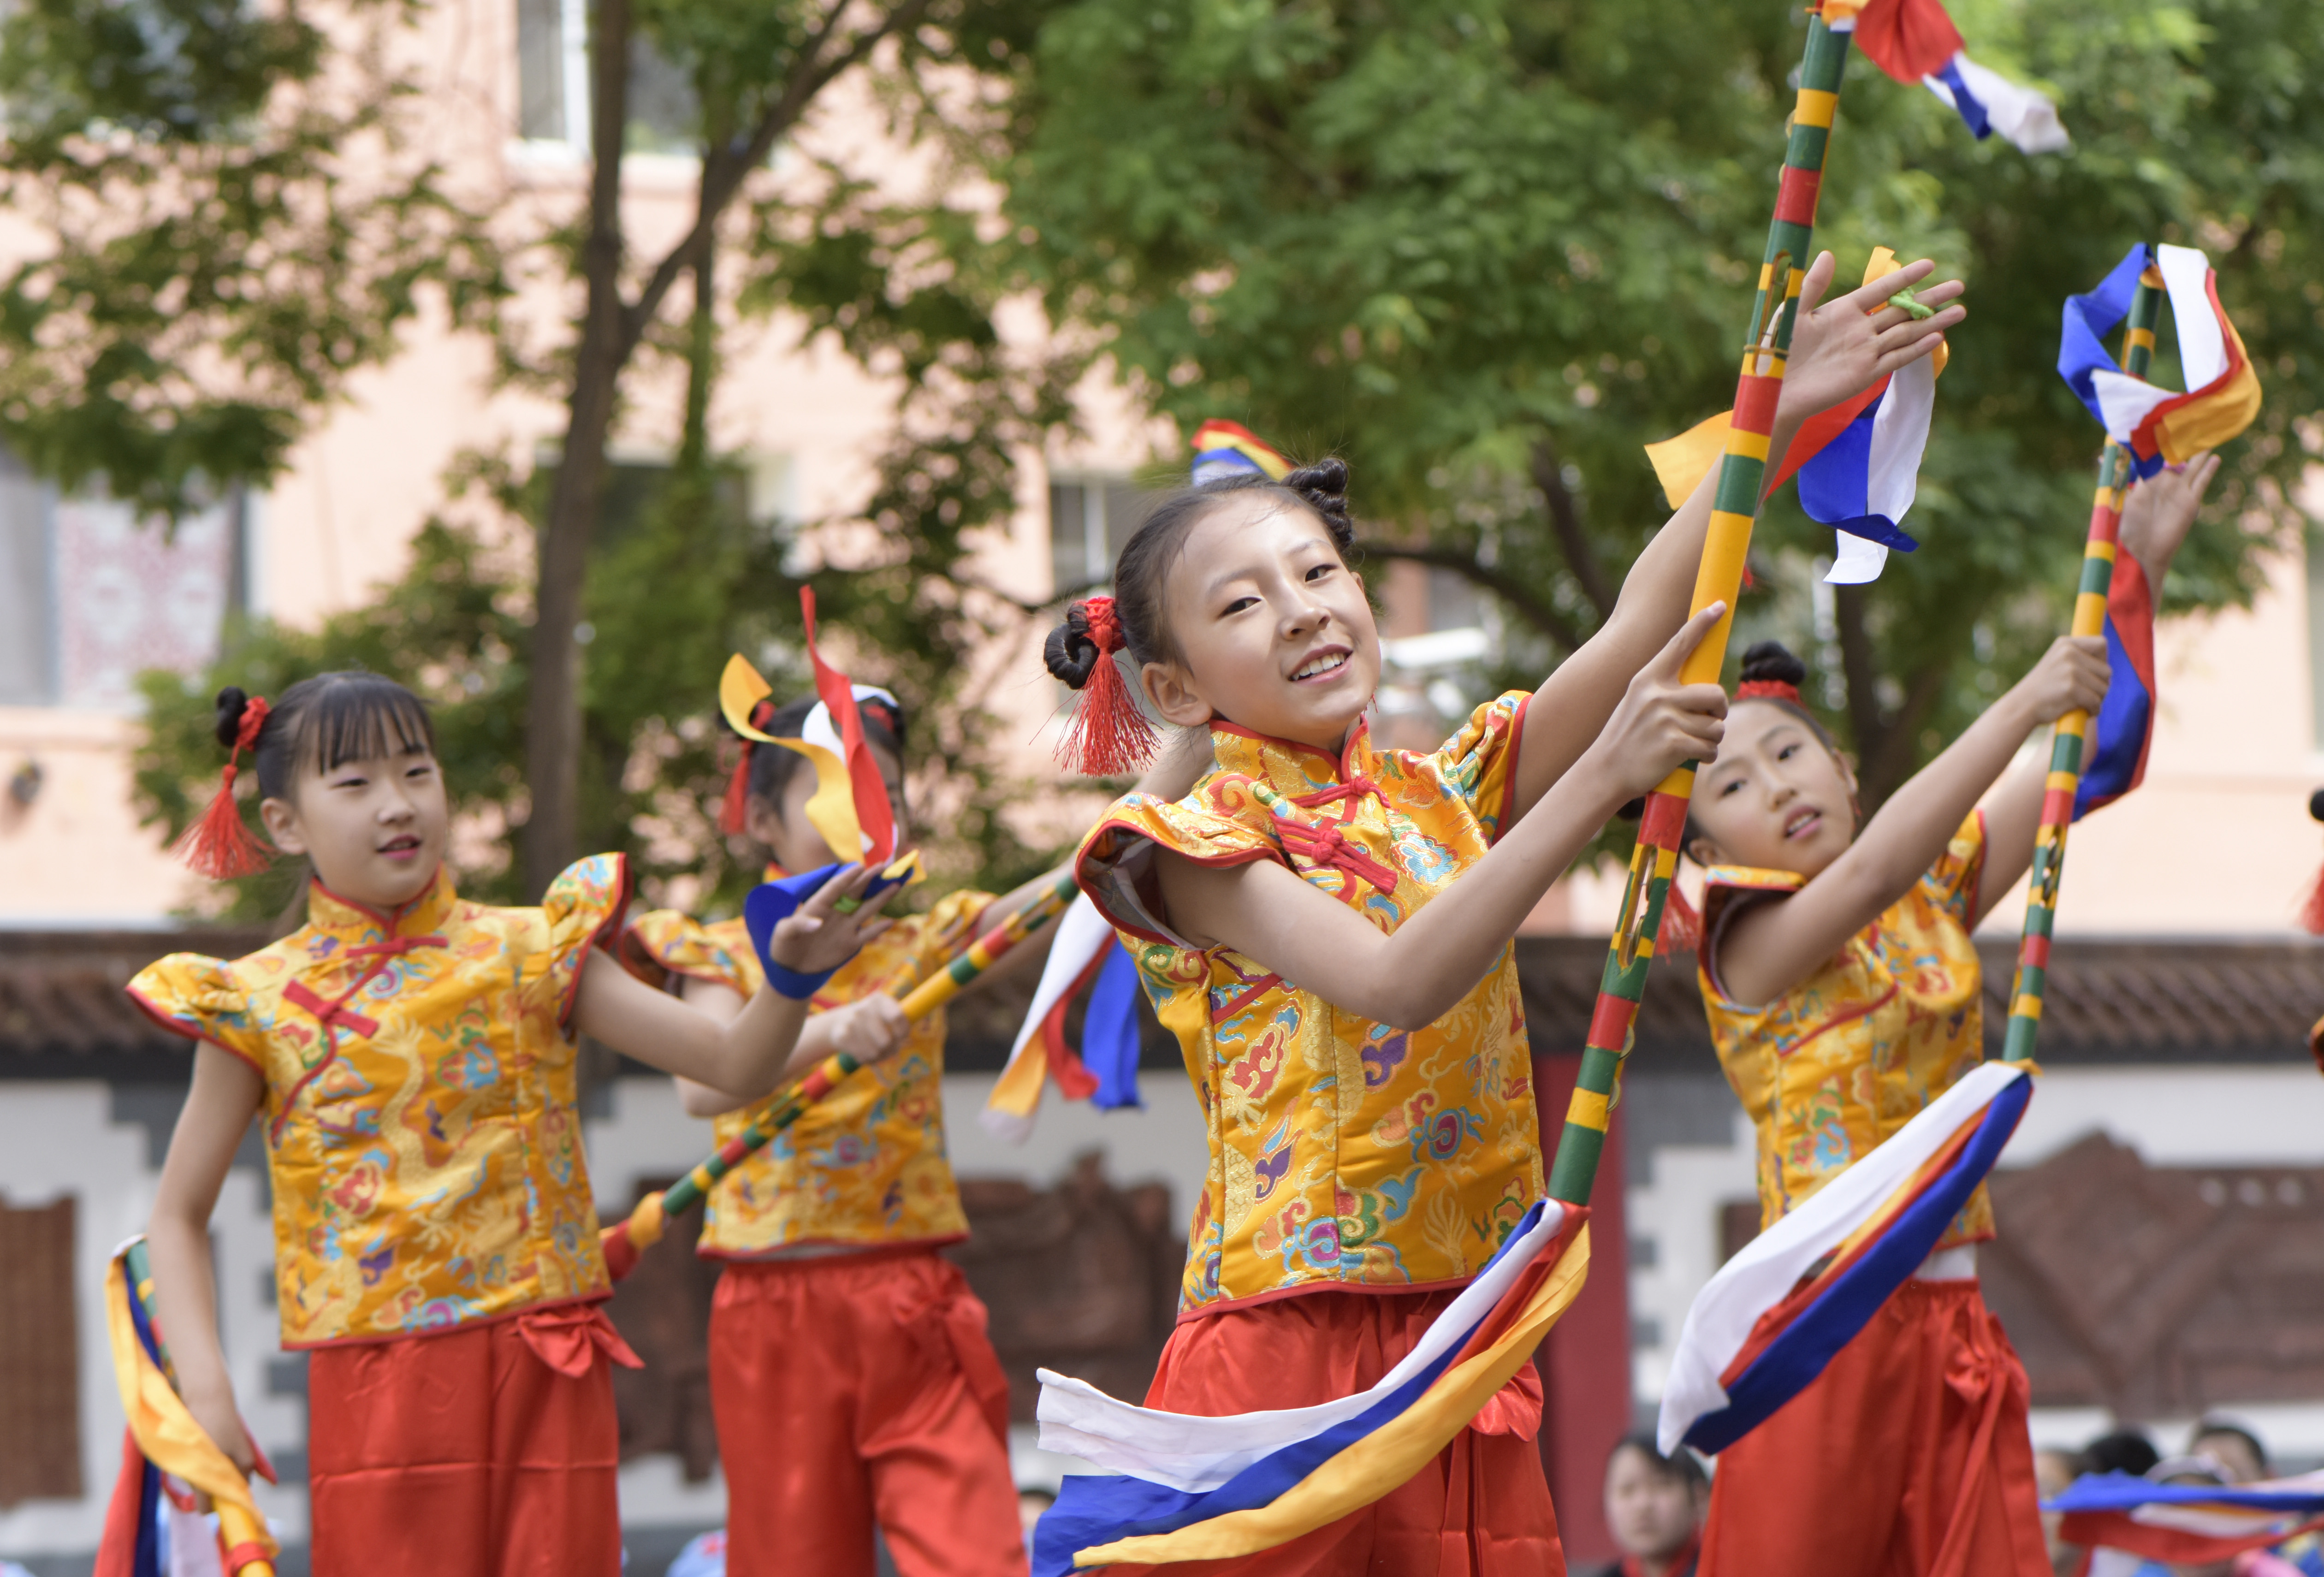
(489, 1452)
(1909, 1457)
(857, 1389)
(1481, 1510)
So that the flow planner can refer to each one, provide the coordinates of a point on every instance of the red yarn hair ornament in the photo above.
(1767, 690)
(1109, 734)
(220, 844)
(734, 811)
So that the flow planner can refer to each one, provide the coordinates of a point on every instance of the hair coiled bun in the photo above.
(232, 703)
(1072, 653)
(1323, 487)
(1770, 662)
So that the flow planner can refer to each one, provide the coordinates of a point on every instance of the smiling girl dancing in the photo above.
(1327, 928)
(412, 1055)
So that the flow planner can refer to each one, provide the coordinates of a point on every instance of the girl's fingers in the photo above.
(1868, 298)
(1812, 286)
(1674, 656)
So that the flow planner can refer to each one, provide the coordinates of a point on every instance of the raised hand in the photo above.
(1662, 724)
(818, 938)
(1839, 349)
(2159, 511)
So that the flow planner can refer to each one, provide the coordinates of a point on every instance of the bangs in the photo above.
(357, 717)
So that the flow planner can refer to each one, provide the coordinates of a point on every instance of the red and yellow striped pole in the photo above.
(624, 1240)
(1735, 506)
(2065, 780)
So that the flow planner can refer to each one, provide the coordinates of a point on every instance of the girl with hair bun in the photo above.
(1327, 928)
(850, 1377)
(412, 1055)
(1844, 995)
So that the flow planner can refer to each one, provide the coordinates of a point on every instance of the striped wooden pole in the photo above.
(237, 1537)
(624, 1240)
(1735, 505)
(2099, 550)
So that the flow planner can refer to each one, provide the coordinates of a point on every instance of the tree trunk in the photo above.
(553, 718)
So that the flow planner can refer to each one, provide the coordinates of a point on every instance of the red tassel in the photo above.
(218, 844)
(2312, 916)
(1109, 734)
(732, 813)
(1681, 929)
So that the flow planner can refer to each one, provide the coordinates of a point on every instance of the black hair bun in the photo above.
(1324, 488)
(1772, 663)
(231, 704)
(1072, 653)
(2316, 804)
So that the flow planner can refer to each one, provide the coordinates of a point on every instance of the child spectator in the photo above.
(1653, 1507)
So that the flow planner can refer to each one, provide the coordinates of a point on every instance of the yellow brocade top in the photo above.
(1852, 1054)
(866, 1165)
(421, 1134)
(1343, 1153)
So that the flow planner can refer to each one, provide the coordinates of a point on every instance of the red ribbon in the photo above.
(569, 1338)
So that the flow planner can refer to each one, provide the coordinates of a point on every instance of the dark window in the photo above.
(40, 1361)
(1089, 519)
(553, 95)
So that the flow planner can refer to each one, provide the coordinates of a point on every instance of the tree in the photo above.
(227, 219)
(1486, 249)
(835, 251)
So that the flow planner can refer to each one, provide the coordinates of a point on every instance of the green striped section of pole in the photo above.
(2099, 550)
(1735, 505)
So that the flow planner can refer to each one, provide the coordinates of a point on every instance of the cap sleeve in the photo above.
(1479, 763)
(1727, 890)
(1221, 823)
(198, 997)
(1951, 884)
(584, 909)
(662, 942)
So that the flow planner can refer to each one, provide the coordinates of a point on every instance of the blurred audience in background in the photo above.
(1654, 1506)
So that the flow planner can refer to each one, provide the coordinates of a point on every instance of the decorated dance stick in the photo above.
(1735, 504)
(2065, 780)
(166, 1435)
(624, 1240)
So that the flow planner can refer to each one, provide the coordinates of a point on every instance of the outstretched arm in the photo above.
(867, 1031)
(745, 1057)
(1414, 975)
(226, 1093)
(1778, 943)
(1837, 349)
(2156, 520)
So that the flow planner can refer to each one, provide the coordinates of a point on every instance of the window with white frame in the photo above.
(552, 47)
(1089, 519)
(91, 595)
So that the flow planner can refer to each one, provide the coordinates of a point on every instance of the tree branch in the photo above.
(724, 170)
(1858, 670)
(1884, 770)
(1565, 524)
(1536, 611)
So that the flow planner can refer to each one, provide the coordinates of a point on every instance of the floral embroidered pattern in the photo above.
(423, 1143)
(1851, 1054)
(1342, 1151)
(867, 1164)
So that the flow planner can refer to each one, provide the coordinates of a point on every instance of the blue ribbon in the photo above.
(773, 902)
(2081, 340)
(1110, 1033)
(1970, 107)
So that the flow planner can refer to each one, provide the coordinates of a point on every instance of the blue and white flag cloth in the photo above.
(1862, 482)
(2184, 1523)
(1181, 1486)
(1764, 1328)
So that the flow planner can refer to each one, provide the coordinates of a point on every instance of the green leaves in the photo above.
(1437, 238)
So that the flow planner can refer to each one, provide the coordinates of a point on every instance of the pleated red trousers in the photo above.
(857, 1389)
(1481, 1510)
(1909, 1457)
(490, 1451)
